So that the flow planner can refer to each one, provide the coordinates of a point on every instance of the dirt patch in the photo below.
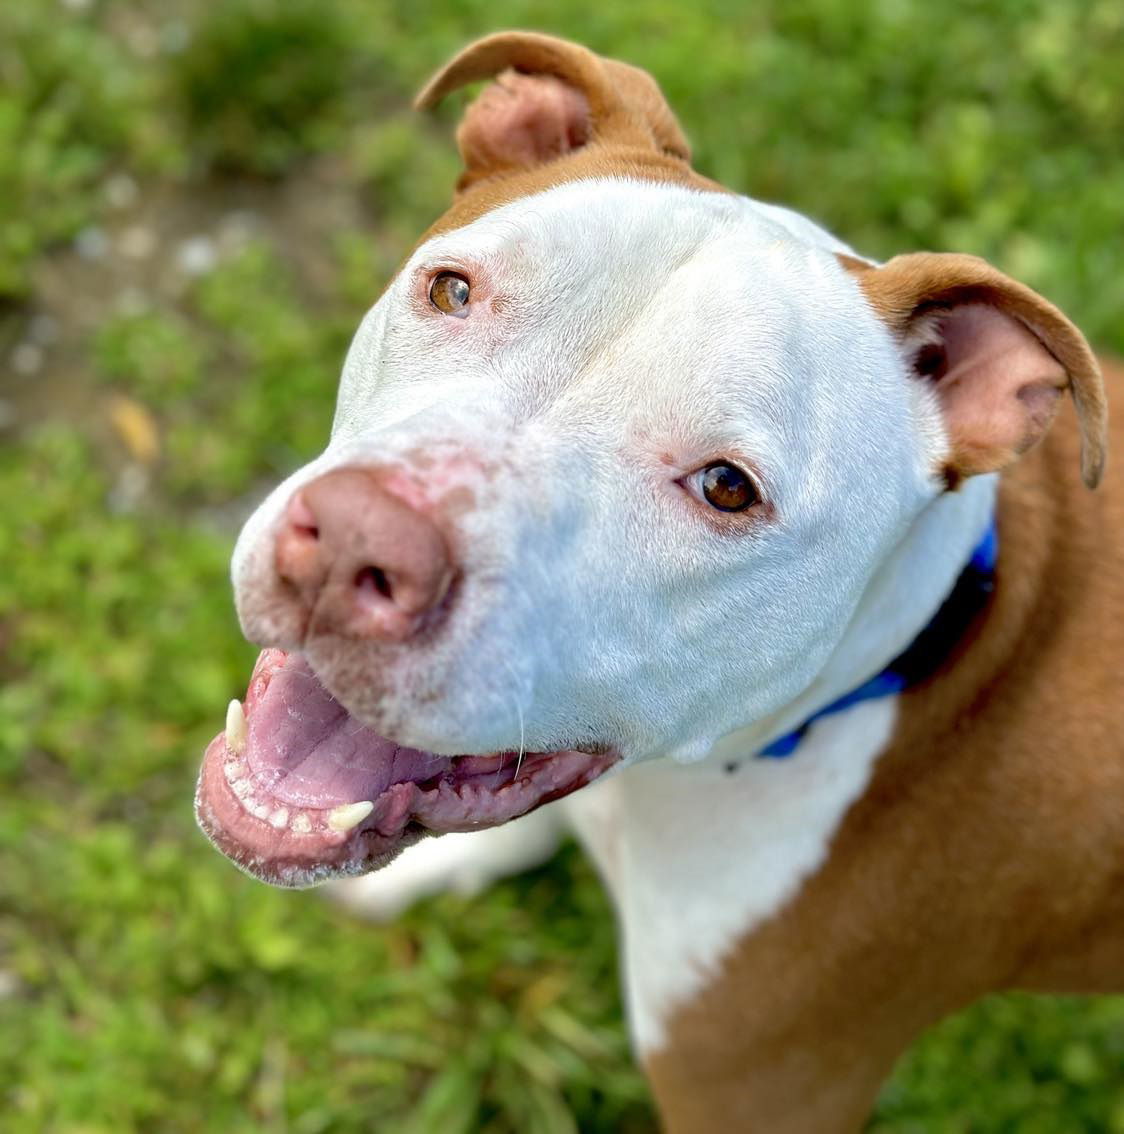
(151, 243)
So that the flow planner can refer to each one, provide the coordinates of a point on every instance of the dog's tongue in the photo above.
(305, 749)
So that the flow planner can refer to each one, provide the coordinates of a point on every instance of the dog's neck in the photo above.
(902, 597)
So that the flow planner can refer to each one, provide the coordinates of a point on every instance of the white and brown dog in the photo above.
(633, 478)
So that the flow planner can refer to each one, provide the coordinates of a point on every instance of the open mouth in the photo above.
(296, 791)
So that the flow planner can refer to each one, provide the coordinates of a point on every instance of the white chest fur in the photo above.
(697, 856)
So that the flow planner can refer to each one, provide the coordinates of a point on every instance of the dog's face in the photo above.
(618, 341)
(612, 466)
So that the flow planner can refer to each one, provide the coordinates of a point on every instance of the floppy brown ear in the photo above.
(551, 97)
(998, 354)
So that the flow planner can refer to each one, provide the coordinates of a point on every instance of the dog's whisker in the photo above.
(522, 723)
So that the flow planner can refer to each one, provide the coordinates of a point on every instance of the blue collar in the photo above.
(928, 651)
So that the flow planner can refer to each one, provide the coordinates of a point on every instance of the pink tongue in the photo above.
(306, 749)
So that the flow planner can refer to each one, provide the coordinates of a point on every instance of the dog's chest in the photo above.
(697, 856)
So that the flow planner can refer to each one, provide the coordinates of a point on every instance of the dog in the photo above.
(764, 564)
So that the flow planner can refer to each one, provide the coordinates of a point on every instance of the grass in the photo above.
(152, 392)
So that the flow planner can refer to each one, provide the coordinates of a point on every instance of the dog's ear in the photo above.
(997, 353)
(551, 97)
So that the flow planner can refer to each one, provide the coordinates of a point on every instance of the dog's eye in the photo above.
(449, 292)
(727, 488)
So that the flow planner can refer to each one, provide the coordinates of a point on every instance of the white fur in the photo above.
(644, 331)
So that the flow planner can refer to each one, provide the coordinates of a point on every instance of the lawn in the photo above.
(197, 203)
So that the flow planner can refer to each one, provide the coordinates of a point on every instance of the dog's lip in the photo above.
(294, 791)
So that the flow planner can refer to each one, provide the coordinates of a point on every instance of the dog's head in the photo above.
(616, 455)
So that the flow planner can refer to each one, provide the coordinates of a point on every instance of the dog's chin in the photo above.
(296, 790)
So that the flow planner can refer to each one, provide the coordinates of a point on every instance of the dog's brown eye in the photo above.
(727, 488)
(449, 293)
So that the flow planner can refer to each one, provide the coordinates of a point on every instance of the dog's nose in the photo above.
(362, 562)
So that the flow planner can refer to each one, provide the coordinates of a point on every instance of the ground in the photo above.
(198, 202)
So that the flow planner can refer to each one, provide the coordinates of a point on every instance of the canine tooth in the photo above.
(349, 815)
(301, 823)
(259, 810)
(280, 818)
(235, 727)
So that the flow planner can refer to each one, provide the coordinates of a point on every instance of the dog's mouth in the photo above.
(296, 791)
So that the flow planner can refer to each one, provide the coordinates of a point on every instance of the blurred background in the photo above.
(197, 203)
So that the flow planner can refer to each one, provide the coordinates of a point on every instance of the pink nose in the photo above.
(361, 562)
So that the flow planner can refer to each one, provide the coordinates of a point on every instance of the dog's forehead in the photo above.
(635, 305)
(597, 229)
(622, 261)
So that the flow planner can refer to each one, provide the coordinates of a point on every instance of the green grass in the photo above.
(144, 984)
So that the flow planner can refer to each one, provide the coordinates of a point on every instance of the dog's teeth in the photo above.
(235, 728)
(349, 815)
(301, 823)
(234, 770)
(242, 788)
(280, 818)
